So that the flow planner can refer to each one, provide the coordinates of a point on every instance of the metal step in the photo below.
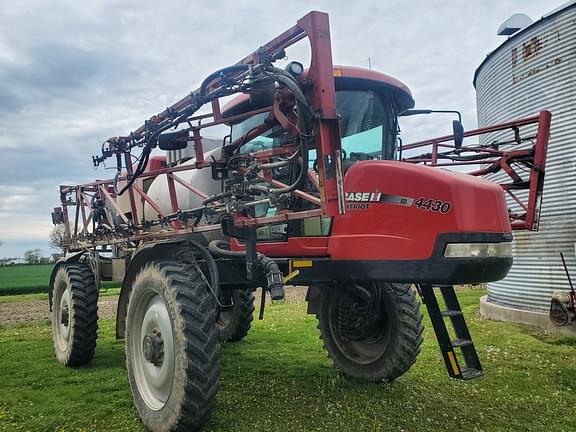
(468, 374)
(461, 343)
(452, 313)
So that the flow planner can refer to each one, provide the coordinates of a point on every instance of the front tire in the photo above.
(74, 314)
(172, 346)
(374, 342)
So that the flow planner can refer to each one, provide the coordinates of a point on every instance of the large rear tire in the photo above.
(74, 314)
(374, 342)
(172, 346)
(235, 318)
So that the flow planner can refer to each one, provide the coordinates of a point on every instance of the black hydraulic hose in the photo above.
(142, 164)
(216, 197)
(304, 121)
(145, 157)
(221, 73)
(195, 105)
(289, 81)
(215, 247)
(274, 278)
(303, 161)
(272, 165)
(287, 189)
(304, 113)
(211, 263)
(303, 105)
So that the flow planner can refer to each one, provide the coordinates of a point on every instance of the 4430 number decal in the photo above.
(433, 205)
(363, 201)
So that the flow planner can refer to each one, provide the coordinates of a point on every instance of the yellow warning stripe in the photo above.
(294, 264)
(453, 362)
(301, 263)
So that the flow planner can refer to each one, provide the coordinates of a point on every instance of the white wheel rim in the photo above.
(62, 316)
(150, 318)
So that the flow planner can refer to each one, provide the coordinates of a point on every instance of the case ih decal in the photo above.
(363, 196)
(362, 200)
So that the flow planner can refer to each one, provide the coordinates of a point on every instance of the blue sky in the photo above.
(74, 73)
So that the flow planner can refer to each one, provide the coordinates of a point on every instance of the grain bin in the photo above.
(533, 70)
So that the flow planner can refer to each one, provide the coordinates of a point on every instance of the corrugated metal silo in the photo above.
(535, 69)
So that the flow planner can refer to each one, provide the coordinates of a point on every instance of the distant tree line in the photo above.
(31, 256)
(34, 256)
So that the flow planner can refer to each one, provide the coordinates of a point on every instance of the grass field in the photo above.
(19, 279)
(279, 379)
(25, 279)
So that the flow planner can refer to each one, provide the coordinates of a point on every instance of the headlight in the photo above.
(478, 250)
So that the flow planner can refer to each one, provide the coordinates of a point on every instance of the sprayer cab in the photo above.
(368, 104)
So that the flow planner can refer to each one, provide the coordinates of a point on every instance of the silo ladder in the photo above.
(463, 340)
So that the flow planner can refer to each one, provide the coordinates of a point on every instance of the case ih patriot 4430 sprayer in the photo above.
(311, 187)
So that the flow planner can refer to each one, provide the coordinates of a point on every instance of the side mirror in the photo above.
(173, 140)
(457, 127)
(458, 130)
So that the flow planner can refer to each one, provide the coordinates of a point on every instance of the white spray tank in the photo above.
(200, 179)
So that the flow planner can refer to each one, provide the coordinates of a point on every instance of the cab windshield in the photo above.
(368, 127)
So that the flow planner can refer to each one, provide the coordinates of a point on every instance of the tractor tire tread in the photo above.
(195, 309)
(83, 314)
(406, 343)
(242, 315)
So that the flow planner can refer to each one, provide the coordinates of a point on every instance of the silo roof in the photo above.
(541, 21)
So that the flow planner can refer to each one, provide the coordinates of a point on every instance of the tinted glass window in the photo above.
(367, 125)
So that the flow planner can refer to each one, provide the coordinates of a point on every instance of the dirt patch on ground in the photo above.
(38, 310)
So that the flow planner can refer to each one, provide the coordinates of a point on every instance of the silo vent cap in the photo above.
(513, 24)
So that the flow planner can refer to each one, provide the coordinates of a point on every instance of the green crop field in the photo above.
(24, 279)
(19, 279)
(279, 379)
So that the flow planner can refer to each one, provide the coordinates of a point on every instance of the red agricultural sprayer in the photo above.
(311, 187)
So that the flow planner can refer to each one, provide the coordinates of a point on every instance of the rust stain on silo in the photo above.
(531, 48)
